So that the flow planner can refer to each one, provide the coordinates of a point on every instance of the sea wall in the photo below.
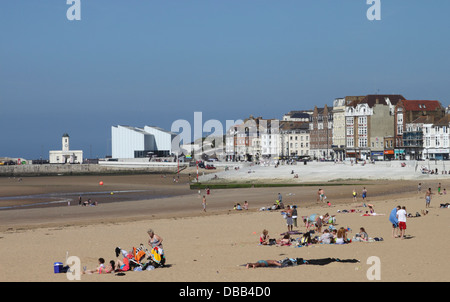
(87, 169)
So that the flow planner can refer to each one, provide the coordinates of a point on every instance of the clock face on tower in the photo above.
(65, 145)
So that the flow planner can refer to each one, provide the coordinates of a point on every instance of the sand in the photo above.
(214, 246)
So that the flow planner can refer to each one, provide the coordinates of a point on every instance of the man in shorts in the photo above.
(289, 220)
(401, 216)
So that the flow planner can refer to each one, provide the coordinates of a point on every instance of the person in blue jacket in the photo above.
(393, 219)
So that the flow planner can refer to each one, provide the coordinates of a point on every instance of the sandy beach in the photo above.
(215, 246)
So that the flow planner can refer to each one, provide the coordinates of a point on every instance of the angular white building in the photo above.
(134, 142)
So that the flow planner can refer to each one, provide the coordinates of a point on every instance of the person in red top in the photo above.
(124, 265)
(264, 238)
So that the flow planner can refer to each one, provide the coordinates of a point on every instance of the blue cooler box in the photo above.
(58, 267)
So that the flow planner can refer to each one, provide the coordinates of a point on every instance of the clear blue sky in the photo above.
(151, 62)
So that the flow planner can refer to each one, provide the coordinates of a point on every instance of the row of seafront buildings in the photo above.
(370, 127)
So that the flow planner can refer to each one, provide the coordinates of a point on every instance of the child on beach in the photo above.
(354, 195)
(264, 238)
(100, 268)
(204, 203)
(428, 198)
(322, 195)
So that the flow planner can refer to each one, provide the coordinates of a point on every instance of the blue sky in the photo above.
(151, 62)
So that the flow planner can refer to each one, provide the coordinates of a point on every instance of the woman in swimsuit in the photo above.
(264, 263)
(155, 240)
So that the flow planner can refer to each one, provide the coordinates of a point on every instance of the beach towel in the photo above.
(291, 233)
(393, 217)
(323, 261)
(157, 255)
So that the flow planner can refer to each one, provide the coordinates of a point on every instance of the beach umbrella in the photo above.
(313, 217)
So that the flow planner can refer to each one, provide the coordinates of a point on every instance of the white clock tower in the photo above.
(65, 155)
(65, 142)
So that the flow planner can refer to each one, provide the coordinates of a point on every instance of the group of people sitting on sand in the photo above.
(329, 236)
(137, 259)
(238, 206)
(87, 202)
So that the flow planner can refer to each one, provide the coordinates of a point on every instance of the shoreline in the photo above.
(186, 203)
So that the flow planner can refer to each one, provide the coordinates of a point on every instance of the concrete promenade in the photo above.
(87, 169)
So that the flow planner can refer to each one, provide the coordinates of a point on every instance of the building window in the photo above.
(362, 120)
(349, 120)
(349, 141)
(362, 142)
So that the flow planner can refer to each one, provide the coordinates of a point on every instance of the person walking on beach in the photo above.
(294, 215)
(322, 195)
(354, 195)
(401, 216)
(364, 194)
(428, 198)
(289, 221)
(204, 203)
(419, 187)
(439, 188)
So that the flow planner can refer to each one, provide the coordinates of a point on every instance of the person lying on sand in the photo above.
(286, 240)
(263, 263)
(101, 269)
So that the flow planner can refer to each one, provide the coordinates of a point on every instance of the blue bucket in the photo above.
(58, 267)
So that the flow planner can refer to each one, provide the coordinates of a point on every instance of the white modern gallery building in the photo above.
(134, 142)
